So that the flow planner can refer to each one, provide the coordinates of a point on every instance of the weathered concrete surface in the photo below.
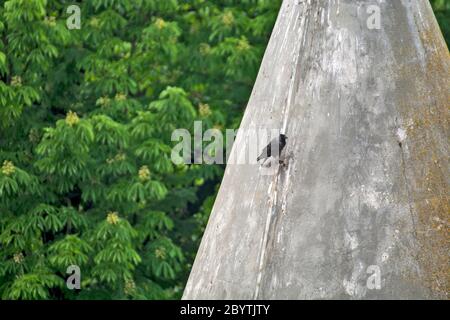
(351, 196)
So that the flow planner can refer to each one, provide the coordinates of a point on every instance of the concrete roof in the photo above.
(366, 188)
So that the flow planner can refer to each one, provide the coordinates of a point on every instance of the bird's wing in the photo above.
(266, 152)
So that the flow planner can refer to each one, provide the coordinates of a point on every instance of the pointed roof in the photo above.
(366, 190)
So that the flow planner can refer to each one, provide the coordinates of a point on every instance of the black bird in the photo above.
(267, 152)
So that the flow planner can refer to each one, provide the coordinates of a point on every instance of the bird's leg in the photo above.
(284, 162)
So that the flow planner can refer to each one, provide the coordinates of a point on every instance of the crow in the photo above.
(267, 152)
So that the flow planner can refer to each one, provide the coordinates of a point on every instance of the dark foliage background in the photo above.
(85, 123)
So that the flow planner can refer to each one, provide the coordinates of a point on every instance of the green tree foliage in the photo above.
(442, 11)
(85, 123)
